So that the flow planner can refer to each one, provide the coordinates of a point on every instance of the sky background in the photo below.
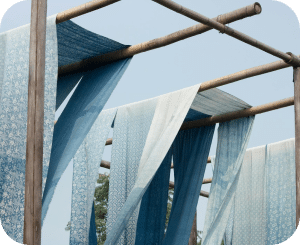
(180, 65)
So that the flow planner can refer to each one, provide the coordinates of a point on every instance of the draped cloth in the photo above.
(14, 73)
(265, 200)
(89, 98)
(174, 106)
(233, 137)
(131, 128)
(190, 151)
(86, 164)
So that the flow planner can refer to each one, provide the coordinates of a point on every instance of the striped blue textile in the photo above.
(14, 73)
(233, 137)
(265, 200)
(89, 98)
(86, 164)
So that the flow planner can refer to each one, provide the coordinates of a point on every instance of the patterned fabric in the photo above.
(131, 128)
(86, 164)
(14, 73)
(174, 106)
(265, 196)
(191, 148)
(76, 120)
(233, 137)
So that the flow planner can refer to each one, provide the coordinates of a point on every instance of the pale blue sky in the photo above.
(186, 63)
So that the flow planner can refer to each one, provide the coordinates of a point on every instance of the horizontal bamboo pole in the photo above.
(95, 62)
(295, 61)
(83, 9)
(238, 114)
(106, 164)
(202, 193)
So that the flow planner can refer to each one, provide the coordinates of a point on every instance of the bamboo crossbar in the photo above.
(82, 9)
(295, 61)
(97, 61)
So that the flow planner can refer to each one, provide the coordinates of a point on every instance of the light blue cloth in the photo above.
(190, 148)
(86, 164)
(86, 103)
(233, 137)
(14, 73)
(265, 199)
(131, 128)
(174, 106)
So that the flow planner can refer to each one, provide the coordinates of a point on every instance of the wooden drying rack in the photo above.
(35, 121)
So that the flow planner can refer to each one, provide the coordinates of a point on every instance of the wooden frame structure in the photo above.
(34, 149)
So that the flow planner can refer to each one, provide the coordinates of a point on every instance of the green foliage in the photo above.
(169, 207)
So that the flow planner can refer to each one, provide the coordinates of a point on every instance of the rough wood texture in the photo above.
(83, 9)
(229, 31)
(35, 124)
(156, 43)
(297, 140)
(238, 114)
(193, 236)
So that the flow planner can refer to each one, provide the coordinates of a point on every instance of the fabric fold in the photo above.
(14, 74)
(190, 151)
(86, 164)
(233, 137)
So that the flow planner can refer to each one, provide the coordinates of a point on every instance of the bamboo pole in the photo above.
(35, 124)
(193, 235)
(82, 9)
(297, 140)
(229, 31)
(238, 114)
(95, 62)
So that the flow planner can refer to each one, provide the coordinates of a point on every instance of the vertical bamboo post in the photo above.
(35, 124)
(193, 236)
(297, 139)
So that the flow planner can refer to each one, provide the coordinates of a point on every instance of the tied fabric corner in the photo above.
(14, 74)
(86, 164)
(233, 137)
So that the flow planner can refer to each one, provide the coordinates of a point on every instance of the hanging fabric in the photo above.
(86, 164)
(131, 128)
(190, 148)
(233, 137)
(89, 98)
(265, 200)
(14, 74)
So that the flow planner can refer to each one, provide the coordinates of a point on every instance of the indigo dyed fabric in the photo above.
(265, 199)
(86, 164)
(153, 209)
(233, 137)
(163, 130)
(76, 120)
(14, 73)
(131, 128)
(190, 152)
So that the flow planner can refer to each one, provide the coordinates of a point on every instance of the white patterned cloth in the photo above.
(265, 200)
(131, 128)
(14, 73)
(86, 164)
(233, 137)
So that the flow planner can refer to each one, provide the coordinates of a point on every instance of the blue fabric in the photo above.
(153, 210)
(86, 164)
(191, 149)
(92, 232)
(131, 128)
(75, 44)
(265, 199)
(14, 73)
(233, 137)
(90, 96)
